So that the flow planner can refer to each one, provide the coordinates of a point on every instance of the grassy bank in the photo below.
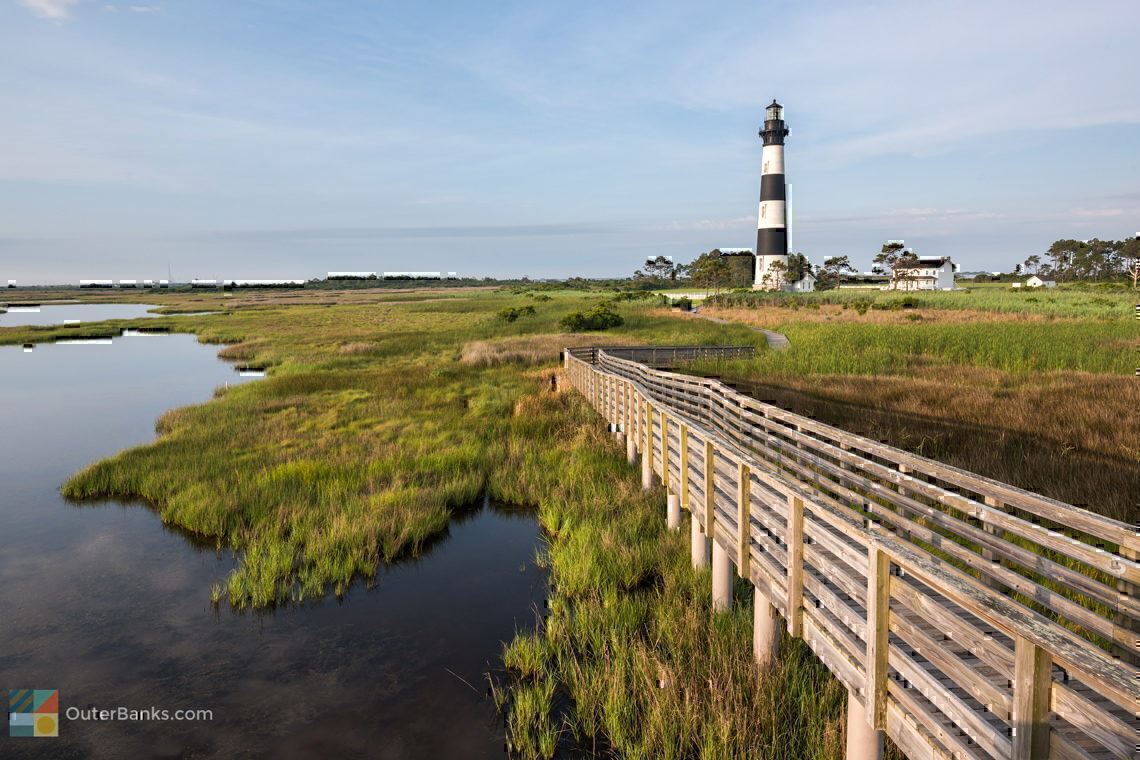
(372, 426)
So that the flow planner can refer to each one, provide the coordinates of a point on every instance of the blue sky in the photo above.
(287, 138)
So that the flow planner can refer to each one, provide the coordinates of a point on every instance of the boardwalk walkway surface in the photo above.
(967, 618)
(776, 341)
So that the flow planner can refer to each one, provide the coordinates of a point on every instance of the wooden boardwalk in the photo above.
(967, 618)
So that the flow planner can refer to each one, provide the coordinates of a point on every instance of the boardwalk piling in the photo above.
(721, 578)
(863, 742)
(673, 511)
(699, 549)
(765, 633)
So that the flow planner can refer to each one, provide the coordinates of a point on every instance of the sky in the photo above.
(289, 138)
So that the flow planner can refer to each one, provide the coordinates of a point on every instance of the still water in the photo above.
(57, 314)
(110, 607)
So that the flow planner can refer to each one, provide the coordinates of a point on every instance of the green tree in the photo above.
(901, 262)
(1033, 264)
(832, 271)
(1130, 256)
(776, 276)
(660, 270)
(710, 270)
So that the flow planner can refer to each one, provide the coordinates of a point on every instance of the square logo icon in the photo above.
(33, 712)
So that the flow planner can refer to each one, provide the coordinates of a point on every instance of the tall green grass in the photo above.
(1102, 302)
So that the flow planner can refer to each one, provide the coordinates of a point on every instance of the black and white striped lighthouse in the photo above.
(771, 220)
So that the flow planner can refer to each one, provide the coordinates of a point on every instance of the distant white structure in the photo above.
(262, 283)
(1037, 281)
(351, 275)
(805, 284)
(926, 274)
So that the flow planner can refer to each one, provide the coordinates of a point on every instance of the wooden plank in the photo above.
(946, 742)
(743, 520)
(961, 673)
(1112, 733)
(1098, 669)
(878, 631)
(795, 565)
(1032, 686)
(957, 713)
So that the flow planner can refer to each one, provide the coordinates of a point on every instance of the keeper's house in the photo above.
(1037, 281)
(926, 274)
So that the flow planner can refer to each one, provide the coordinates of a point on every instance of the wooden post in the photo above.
(901, 532)
(878, 628)
(765, 634)
(665, 478)
(863, 742)
(1131, 625)
(631, 427)
(710, 490)
(795, 565)
(647, 450)
(743, 520)
(684, 474)
(988, 554)
(1032, 687)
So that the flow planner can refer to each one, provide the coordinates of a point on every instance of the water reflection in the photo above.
(106, 605)
(58, 314)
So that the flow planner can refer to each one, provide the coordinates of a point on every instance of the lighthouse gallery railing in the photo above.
(971, 618)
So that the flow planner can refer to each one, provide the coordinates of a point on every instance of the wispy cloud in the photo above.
(1100, 212)
(710, 224)
(373, 233)
(53, 9)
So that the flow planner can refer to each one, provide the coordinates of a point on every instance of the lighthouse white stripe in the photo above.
(771, 215)
(773, 159)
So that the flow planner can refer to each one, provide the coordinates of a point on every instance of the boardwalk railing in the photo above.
(967, 618)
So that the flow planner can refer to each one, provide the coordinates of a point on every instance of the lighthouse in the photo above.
(771, 220)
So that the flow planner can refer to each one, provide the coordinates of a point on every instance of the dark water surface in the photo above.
(108, 606)
(57, 314)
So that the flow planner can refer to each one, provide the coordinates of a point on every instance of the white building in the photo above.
(805, 284)
(926, 274)
(1037, 281)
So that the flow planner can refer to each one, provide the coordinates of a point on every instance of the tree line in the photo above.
(1073, 260)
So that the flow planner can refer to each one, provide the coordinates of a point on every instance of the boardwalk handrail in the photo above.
(970, 618)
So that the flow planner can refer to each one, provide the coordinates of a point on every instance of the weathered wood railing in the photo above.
(968, 618)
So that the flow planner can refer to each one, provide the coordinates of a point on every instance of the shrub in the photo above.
(601, 317)
(683, 303)
(634, 295)
(511, 313)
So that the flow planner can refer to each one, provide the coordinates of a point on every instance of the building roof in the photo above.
(933, 262)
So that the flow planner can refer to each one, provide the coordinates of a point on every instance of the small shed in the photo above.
(1037, 281)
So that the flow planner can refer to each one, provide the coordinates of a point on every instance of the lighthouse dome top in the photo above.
(774, 111)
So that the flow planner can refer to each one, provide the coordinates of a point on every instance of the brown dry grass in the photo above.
(356, 348)
(771, 317)
(531, 349)
(1072, 436)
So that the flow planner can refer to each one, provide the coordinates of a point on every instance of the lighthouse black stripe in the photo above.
(772, 187)
(771, 241)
